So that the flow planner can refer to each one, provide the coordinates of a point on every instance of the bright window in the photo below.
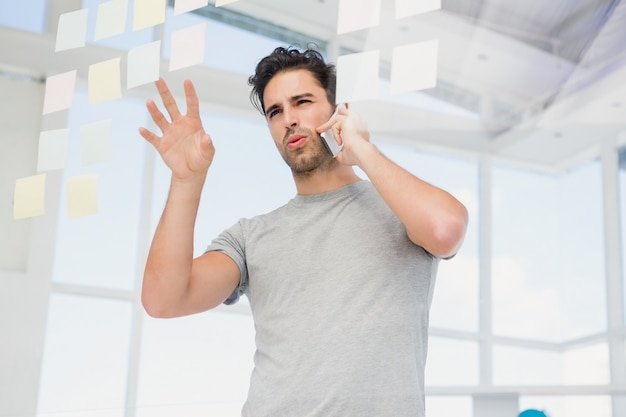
(548, 254)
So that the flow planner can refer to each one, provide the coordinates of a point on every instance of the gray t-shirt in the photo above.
(340, 299)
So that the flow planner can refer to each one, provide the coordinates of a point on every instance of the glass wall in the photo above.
(102, 358)
(548, 254)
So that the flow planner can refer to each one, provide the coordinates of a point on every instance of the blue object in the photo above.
(532, 413)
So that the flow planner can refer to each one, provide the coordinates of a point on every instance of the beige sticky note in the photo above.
(357, 76)
(357, 14)
(219, 3)
(82, 195)
(184, 6)
(148, 13)
(104, 81)
(414, 66)
(111, 19)
(71, 30)
(406, 8)
(59, 93)
(96, 142)
(187, 47)
(52, 149)
(143, 64)
(29, 197)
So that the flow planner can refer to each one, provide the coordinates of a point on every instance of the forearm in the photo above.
(433, 218)
(168, 266)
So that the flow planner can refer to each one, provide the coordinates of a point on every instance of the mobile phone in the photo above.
(329, 141)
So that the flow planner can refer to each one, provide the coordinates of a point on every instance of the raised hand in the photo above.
(184, 145)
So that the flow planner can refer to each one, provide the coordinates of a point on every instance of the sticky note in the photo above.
(357, 76)
(111, 19)
(82, 195)
(29, 197)
(72, 30)
(406, 8)
(187, 47)
(143, 64)
(96, 142)
(52, 149)
(184, 6)
(414, 66)
(219, 3)
(59, 93)
(357, 14)
(103, 81)
(148, 13)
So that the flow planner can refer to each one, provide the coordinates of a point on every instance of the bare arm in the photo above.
(433, 218)
(174, 283)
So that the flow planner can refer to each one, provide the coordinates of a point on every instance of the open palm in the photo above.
(184, 145)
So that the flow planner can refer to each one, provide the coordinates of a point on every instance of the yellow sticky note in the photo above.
(148, 13)
(143, 64)
(414, 66)
(72, 30)
(187, 47)
(357, 14)
(104, 81)
(82, 195)
(406, 8)
(219, 3)
(357, 76)
(184, 6)
(29, 197)
(53, 146)
(59, 93)
(95, 142)
(111, 19)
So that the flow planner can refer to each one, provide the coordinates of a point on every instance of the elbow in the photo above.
(153, 302)
(448, 235)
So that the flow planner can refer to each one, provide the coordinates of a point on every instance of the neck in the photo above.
(324, 180)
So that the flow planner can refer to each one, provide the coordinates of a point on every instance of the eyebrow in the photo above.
(292, 99)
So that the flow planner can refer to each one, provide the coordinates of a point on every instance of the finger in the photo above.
(193, 108)
(342, 109)
(149, 136)
(168, 99)
(156, 115)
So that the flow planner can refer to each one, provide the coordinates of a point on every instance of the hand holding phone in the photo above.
(329, 141)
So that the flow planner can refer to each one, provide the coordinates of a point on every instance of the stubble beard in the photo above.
(308, 159)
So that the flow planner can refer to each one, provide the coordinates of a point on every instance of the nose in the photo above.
(290, 117)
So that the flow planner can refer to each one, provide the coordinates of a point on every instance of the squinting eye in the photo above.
(273, 113)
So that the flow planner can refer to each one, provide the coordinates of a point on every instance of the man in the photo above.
(339, 279)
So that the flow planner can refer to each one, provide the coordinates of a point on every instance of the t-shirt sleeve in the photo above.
(231, 242)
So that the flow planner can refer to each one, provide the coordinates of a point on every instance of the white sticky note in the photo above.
(111, 19)
(357, 14)
(357, 76)
(95, 142)
(414, 66)
(143, 64)
(219, 3)
(104, 81)
(148, 13)
(184, 6)
(82, 195)
(53, 146)
(29, 197)
(187, 47)
(59, 93)
(406, 8)
(72, 30)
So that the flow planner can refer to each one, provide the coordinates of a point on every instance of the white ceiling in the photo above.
(546, 79)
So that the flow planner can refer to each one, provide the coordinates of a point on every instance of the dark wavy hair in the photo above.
(287, 59)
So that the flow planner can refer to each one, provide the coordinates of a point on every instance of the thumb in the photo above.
(205, 144)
